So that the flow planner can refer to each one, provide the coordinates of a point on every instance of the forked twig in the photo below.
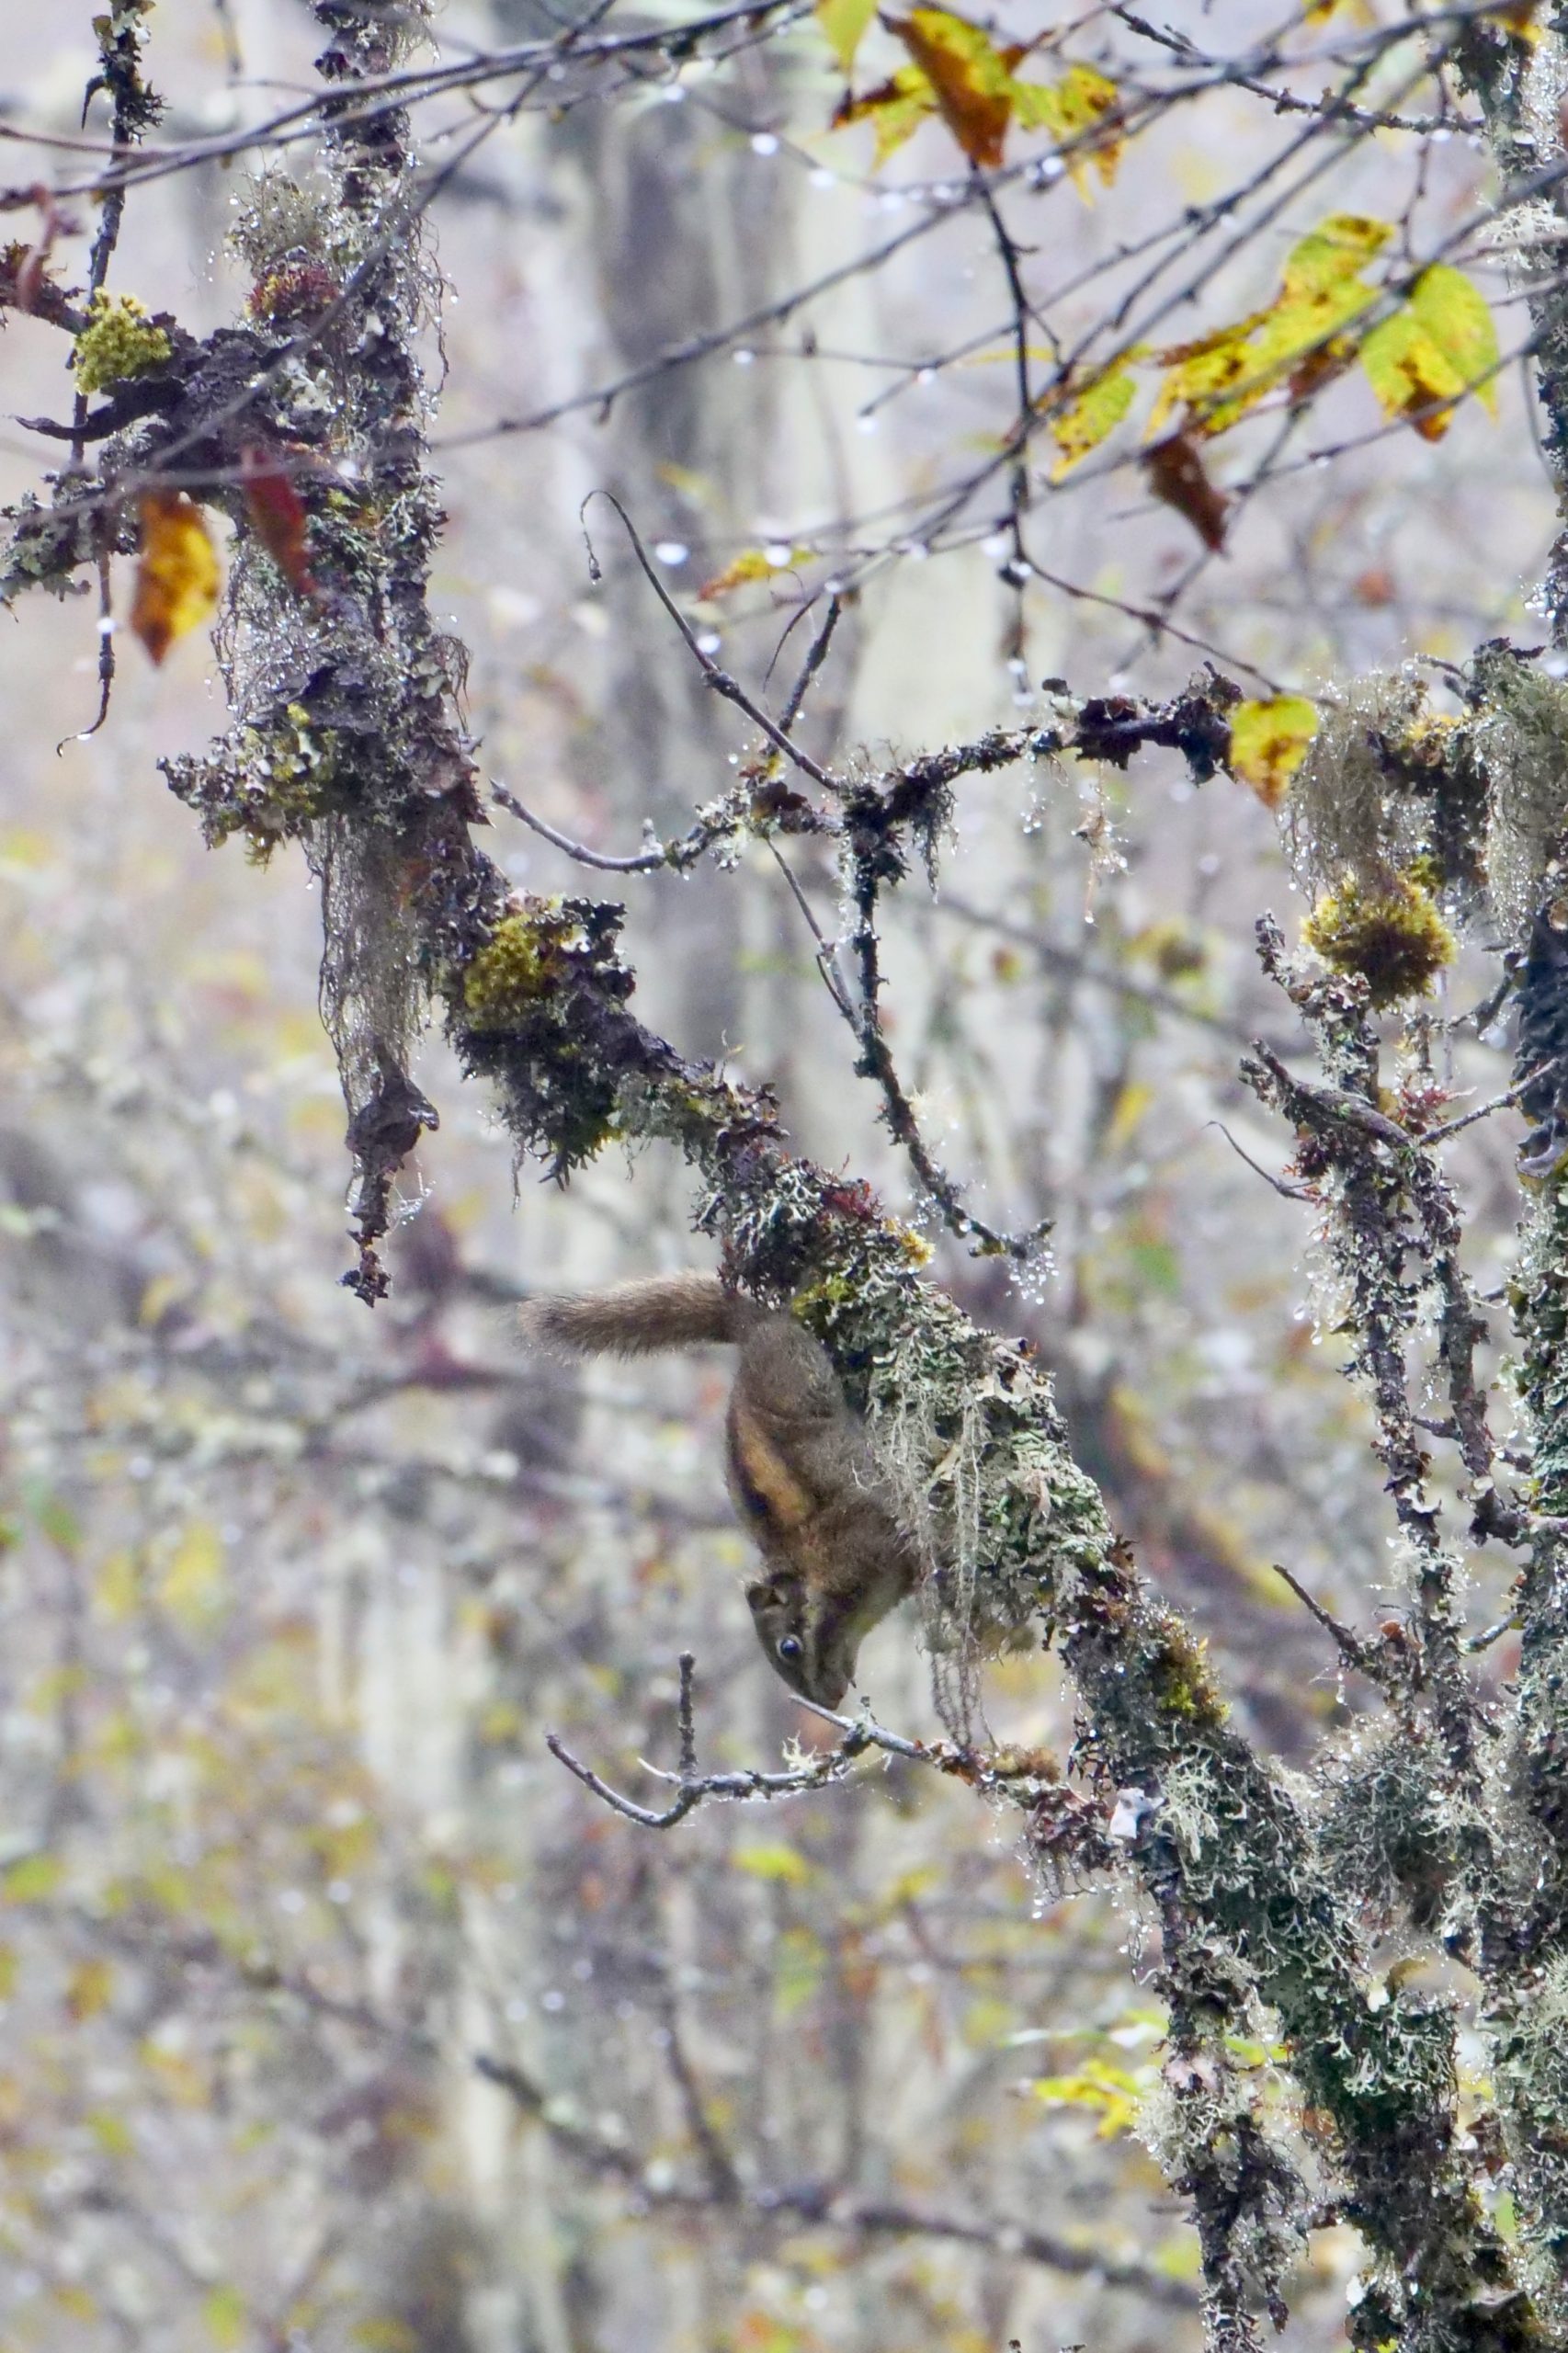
(720, 680)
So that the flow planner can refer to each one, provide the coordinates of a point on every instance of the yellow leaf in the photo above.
(1070, 110)
(89, 1990)
(8, 1972)
(176, 580)
(1296, 342)
(1459, 319)
(697, 489)
(223, 2310)
(1216, 381)
(160, 1295)
(1339, 248)
(192, 1585)
(75, 2300)
(765, 1860)
(843, 23)
(1269, 743)
(752, 563)
(970, 77)
(1437, 345)
(897, 107)
(1410, 376)
(1096, 409)
(1115, 2093)
(35, 1877)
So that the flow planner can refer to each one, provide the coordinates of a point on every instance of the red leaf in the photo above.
(277, 516)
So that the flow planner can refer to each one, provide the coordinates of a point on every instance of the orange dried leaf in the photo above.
(176, 580)
(277, 516)
(1175, 473)
(970, 78)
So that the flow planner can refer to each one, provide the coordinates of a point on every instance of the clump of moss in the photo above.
(510, 974)
(119, 340)
(532, 1008)
(298, 288)
(1390, 932)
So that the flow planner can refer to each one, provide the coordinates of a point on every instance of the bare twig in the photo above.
(1287, 1191)
(692, 1789)
(721, 681)
(1485, 1110)
(1352, 1649)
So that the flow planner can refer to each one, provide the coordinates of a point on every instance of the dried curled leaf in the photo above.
(277, 516)
(1175, 473)
(971, 78)
(177, 579)
(1269, 743)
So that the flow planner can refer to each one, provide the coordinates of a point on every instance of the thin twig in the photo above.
(720, 680)
(1287, 1191)
(1485, 1110)
(646, 861)
(815, 657)
(1355, 1651)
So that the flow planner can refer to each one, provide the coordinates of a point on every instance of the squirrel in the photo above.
(801, 1474)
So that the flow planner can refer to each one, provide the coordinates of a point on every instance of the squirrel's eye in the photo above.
(791, 1648)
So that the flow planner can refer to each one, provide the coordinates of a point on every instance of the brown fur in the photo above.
(801, 1470)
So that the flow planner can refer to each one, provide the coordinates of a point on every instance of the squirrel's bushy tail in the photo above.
(639, 1318)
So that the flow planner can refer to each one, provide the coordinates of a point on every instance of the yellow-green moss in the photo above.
(118, 340)
(511, 972)
(1181, 1679)
(1390, 932)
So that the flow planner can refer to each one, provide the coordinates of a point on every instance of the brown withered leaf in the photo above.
(277, 516)
(1175, 472)
(971, 79)
(177, 579)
